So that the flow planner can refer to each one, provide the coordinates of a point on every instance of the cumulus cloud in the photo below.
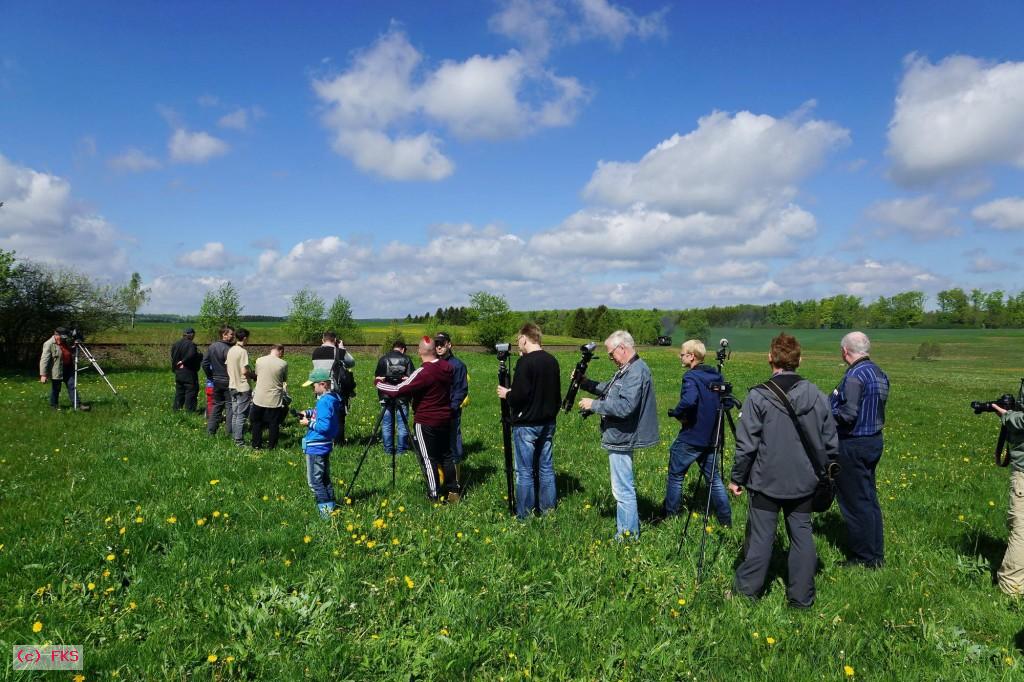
(240, 118)
(1002, 214)
(537, 25)
(375, 106)
(921, 218)
(726, 161)
(133, 160)
(195, 147)
(212, 256)
(868, 278)
(980, 262)
(42, 221)
(959, 114)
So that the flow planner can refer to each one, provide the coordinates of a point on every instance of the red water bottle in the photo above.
(209, 398)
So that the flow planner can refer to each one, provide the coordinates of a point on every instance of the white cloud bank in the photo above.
(1002, 214)
(387, 116)
(133, 160)
(960, 114)
(195, 147)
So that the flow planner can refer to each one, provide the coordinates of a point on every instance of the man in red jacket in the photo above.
(430, 389)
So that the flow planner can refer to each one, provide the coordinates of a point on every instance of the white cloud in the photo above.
(538, 25)
(958, 114)
(208, 101)
(41, 220)
(197, 147)
(1002, 214)
(816, 276)
(726, 161)
(980, 262)
(375, 106)
(133, 160)
(212, 256)
(730, 271)
(240, 118)
(921, 218)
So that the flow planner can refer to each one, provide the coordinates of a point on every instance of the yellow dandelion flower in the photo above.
(370, 544)
(121, 531)
(201, 522)
(215, 481)
(230, 659)
(139, 519)
(108, 519)
(78, 678)
(848, 669)
(444, 631)
(307, 539)
(110, 557)
(378, 523)
(91, 586)
(755, 635)
(409, 583)
(266, 497)
(991, 503)
(106, 574)
(394, 541)
(172, 519)
(287, 562)
(681, 602)
(37, 626)
(459, 535)
(216, 514)
(401, 508)
(132, 605)
(212, 658)
(769, 640)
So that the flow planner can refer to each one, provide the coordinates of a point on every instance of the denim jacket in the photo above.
(629, 415)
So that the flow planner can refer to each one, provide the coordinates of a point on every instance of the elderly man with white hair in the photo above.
(858, 405)
(629, 420)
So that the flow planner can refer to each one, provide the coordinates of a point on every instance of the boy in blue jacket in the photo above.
(318, 442)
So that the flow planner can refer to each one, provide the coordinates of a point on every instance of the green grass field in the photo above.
(174, 556)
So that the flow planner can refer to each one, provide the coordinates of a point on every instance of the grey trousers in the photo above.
(762, 520)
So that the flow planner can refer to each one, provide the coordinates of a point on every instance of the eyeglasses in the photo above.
(611, 353)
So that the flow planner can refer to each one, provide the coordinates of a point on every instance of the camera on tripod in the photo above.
(503, 350)
(578, 374)
(72, 336)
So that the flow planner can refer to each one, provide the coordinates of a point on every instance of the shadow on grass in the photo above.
(982, 544)
(475, 474)
(831, 527)
(1018, 641)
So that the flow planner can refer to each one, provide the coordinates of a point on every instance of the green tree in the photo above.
(697, 327)
(133, 296)
(305, 316)
(491, 318)
(339, 319)
(220, 307)
(393, 334)
(907, 309)
(579, 324)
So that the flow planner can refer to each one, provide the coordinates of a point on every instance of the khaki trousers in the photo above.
(1011, 573)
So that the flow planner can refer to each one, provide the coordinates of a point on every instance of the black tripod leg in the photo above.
(366, 450)
(394, 442)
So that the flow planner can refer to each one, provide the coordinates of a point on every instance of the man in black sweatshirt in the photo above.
(216, 369)
(534, 399)
(185, 361)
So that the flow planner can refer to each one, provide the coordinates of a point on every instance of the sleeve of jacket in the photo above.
(591, 386)
(522, 388)
(460, 384)
(1013, 420)
(409, 367)
(44, 359)
(748, 439)
(414, 384)
(325, 415)
(174, 359)
(829, 434)
(688, 395)
(207, 367)
(382, 367)
(846, 411)
(623, 401)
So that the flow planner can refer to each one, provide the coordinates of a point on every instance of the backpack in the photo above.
(342, 378)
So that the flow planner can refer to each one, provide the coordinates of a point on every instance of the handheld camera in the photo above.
(578, 374)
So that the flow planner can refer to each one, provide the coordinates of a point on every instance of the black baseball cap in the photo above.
(442, 338)
(189, 330)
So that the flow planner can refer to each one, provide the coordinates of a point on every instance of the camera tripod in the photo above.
(394, 407)
(504, 380)
(81, 349)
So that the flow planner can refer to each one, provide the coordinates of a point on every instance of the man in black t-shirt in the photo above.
(185, 362)
(534, 399)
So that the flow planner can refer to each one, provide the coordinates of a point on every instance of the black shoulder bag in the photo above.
(825, 493)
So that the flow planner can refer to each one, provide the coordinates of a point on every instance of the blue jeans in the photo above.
(534, 466)
(387, 429)
(857, 495)
(240, 402)
(69, 381)
(627, 518)
(318, 476)
(680, 456)
(455, 436)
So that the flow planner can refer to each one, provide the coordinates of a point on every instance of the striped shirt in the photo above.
(858, 403)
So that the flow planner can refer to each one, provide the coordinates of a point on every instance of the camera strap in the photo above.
(1002, 449)
(777, 391)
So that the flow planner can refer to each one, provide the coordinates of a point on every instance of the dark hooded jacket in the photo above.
(770, 458)
(697, 406)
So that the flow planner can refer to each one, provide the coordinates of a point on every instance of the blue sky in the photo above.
(563, 153)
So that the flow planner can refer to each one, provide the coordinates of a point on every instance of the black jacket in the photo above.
(394, 365)
(215, 362)
(536, 393)
(185, 356)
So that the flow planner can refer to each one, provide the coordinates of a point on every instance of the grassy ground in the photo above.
(174, 556)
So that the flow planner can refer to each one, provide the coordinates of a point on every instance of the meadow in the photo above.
(175, 556)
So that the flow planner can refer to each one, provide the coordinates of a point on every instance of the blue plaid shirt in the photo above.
(858, 403)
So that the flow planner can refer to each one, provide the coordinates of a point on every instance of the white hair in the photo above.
(856, 343)
(620, 338)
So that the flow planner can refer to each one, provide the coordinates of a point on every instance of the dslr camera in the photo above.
(503, 350)
(72, 336)
(299, 414)
(1005, 401)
